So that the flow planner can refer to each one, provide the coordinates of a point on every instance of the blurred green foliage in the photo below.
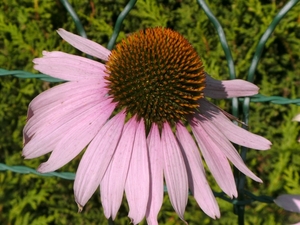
(28, 27)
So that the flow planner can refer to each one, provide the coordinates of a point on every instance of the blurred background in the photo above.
(28, 27)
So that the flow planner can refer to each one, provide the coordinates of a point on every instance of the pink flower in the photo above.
(289, 202)
(297, 118)
(134, 114)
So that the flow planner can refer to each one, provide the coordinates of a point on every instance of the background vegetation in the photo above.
(27, 27)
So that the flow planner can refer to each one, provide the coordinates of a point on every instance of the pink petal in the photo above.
(44, 128)
(47, 137)
(175, 171)
(74, 140)
(233, 132)
(61, 93)
(57, 102)
(289, 202)
(228, 88)
(113, 183)
(297, 118)
(65, 91)
(69, 67)
(227, 148)
(196, 174)
(137, 183)
(97, 158)
(214, 158)
(85, 45)
(156, 176)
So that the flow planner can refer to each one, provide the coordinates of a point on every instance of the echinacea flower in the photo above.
(297, 118)
(290, 203)
(143, 117)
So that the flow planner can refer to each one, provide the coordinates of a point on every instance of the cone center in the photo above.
(157, 75)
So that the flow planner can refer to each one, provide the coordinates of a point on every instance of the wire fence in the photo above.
(239, 204)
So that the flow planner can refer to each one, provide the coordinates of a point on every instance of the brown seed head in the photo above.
(157, 75)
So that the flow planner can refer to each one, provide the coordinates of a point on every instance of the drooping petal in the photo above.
(85, 45)
(156, 176)
(96, 159)
(297, 118)
(233, 132)
(214, 158)
(137, 183)
(113, 183)
(196, 174)
(56, 103)
(61, 93)
(69, 67)
(174, 171)
(78, 137)
(289, 202)
(45, 128)
(228, 88)
(47, 137)
(226, 147)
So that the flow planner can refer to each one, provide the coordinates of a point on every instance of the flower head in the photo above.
(134, 113)
(297, 118)
(288, 202)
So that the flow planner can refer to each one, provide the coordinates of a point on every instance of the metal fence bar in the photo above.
(119, 22)
(261, 44)
(225, 47)
(75, 18)
(27, 170)
(279, 100)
